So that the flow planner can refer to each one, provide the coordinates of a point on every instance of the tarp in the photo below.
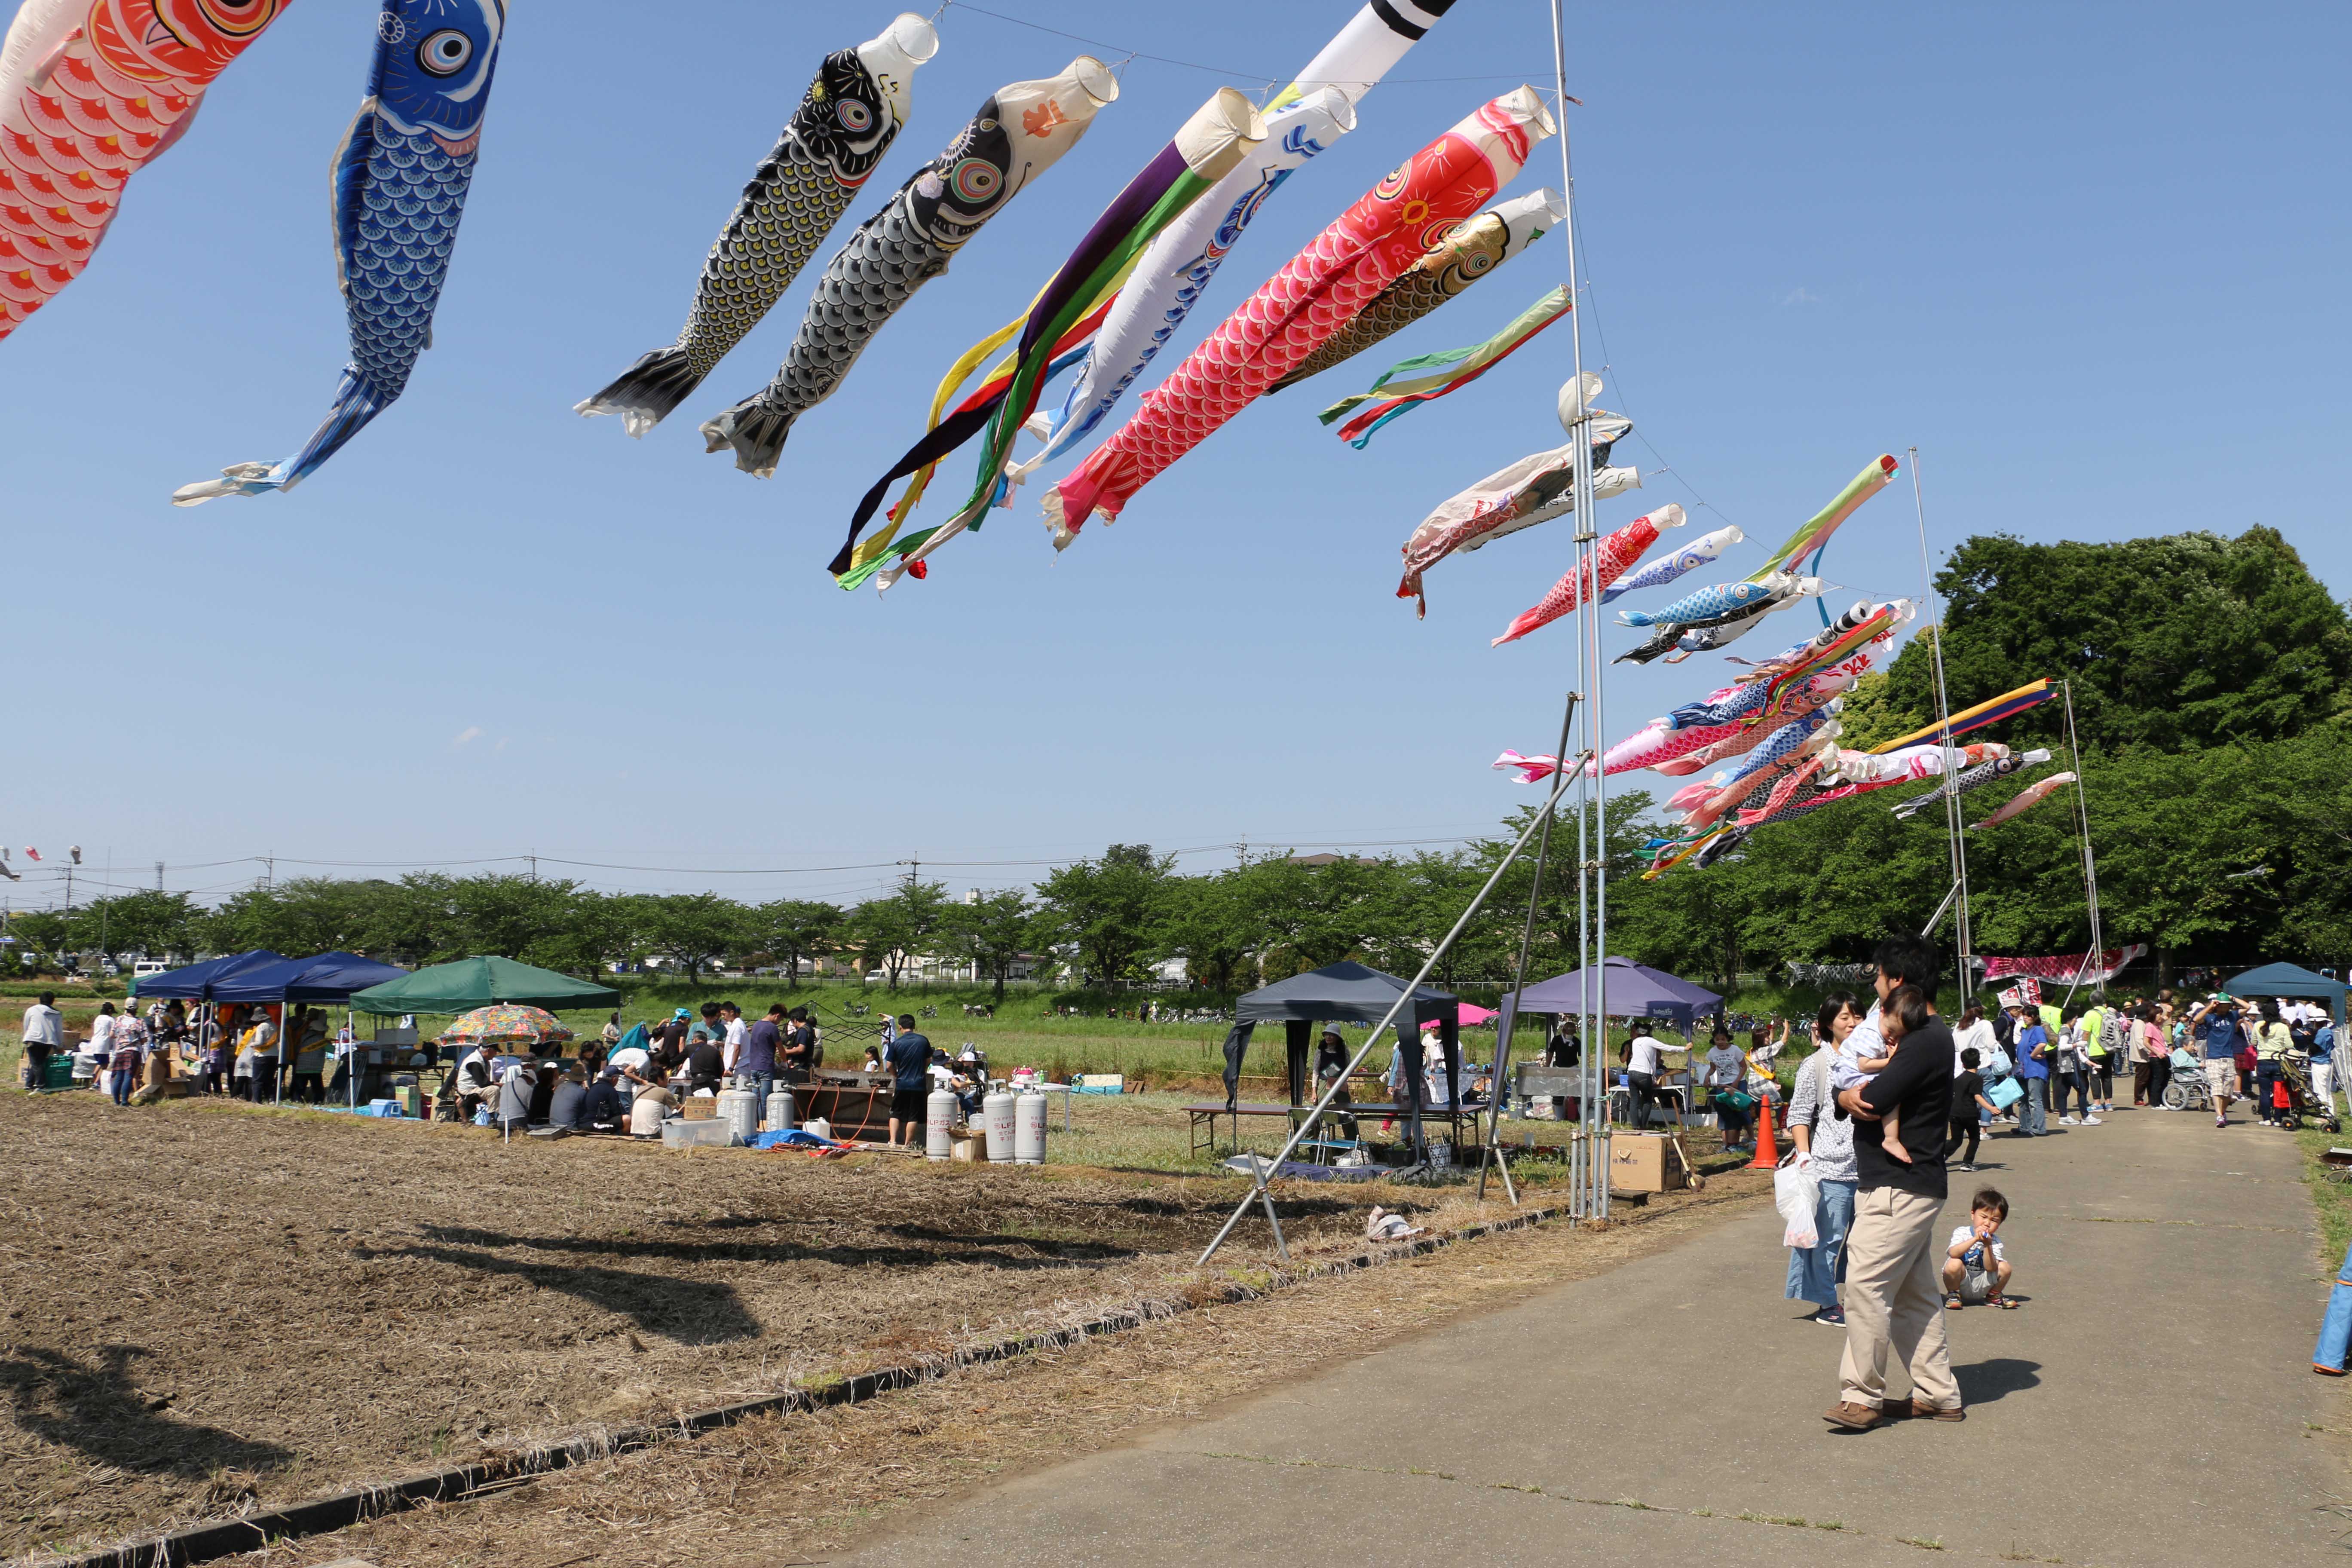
(329, 977)
(1345, 993)
(197, 981)
(2288, 980)
(1629, 990)
(471, 983)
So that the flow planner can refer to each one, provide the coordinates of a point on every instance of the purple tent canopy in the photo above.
(1628, 990)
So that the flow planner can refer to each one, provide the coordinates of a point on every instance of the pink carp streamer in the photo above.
(91, 91)
(1321, 289)
(2025, 800)
(1617, 553)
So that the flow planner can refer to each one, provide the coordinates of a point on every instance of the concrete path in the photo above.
(2150, 1402)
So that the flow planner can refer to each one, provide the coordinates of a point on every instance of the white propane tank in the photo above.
(938, 1121)
(1029, 1130)
(996, 1115)
(740, 1108)
(779, 1110)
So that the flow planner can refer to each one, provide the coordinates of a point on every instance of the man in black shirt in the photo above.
(1895, 1298)
(909, 1056)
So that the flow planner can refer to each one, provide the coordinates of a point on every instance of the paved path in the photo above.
(2147, 1405)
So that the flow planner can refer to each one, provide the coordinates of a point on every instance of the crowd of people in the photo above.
(1893, 1099)
(235, 1049)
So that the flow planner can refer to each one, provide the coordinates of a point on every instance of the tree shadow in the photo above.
(1983, 1381)
(95, 1407)
(947, 1247)
(690, 1311)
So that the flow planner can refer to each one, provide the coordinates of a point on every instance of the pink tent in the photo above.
(1470, 1014)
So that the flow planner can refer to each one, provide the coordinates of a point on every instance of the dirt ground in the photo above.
(803, 1489)
(207, 1305)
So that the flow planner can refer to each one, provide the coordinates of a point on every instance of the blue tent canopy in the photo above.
(2288, 980)
(197, 981)
(329, 977)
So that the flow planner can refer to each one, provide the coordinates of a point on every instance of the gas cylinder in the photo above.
(781, 1110)
(996, 1115)
(938, 1121)
(1029, 1130)
(740, 1108)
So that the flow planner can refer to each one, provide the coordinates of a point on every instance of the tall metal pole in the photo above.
(2090, 864)
(1591, 1185)
(1962, 934)
(1492, 1154)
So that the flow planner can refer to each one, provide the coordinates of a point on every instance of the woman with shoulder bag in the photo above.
(1824, 1151)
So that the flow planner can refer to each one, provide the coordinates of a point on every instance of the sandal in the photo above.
(2003, 1302)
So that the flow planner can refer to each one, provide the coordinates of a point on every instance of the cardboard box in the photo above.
(1645, 1163)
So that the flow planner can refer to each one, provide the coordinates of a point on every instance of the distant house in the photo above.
(1328, 858)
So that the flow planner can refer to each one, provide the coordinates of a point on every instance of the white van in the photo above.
(147, 966)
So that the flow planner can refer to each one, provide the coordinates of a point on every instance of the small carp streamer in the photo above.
(91, 91)
(1020, 132)
(2025, 800)
(1699, 553)
(1408, 384)
(400, 182)
(1971, 780)
(850, 115)
(1616, 553)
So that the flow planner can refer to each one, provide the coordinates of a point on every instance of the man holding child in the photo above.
(1894, 1263)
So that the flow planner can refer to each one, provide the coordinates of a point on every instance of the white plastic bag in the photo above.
(1796, 1195)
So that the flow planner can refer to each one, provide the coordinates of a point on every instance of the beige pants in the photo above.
(1895, 1299)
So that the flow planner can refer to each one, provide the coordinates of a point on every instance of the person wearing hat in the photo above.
(603, 1112)
(668, 1040)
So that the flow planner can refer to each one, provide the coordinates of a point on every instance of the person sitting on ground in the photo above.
(909, 1057)
(474, 1080)
(516, 1086)
(1976, 1265)
(1971, 1110)
(601, 1109)
(566, 1101)
(1904, 1011)
(542, 1093)
(653, 1104)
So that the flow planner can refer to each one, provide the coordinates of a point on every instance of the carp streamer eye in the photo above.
(853, 115)
(445, 53)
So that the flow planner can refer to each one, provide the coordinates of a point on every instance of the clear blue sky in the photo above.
(2089, 258)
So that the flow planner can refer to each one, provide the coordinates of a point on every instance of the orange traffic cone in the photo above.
(1767, 1151)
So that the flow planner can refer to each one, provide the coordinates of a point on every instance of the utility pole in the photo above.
(533, 858)
(159, 876)
(269, 873)
(69, 890)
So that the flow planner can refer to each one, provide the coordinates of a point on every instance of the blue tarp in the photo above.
(198, 981)
(329, 977)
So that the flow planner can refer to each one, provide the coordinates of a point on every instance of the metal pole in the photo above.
(1589, 1186)
(1258, 1189)
(1492, 1152)
(1962, 936)
(2090, 862)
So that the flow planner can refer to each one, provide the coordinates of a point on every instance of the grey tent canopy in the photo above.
(1343, 993)
(2289, 980)
(1628, 990)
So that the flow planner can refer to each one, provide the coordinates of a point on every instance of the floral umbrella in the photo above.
(505, 1021)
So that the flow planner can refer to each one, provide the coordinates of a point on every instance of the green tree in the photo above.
(1205, 920)
(895, 930)
(1321, 913)
(2181, 641)
(1105, 908)
(990, 933)
(795, 931)
(149, 921)
(693, 930)
(44, 933)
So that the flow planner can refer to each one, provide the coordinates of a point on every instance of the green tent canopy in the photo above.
(472, 983)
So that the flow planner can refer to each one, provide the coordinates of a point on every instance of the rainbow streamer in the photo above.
(1432, 376)
(2007, 705)
(1817, 529)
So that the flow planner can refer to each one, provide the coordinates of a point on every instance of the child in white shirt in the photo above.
(1976, 1265)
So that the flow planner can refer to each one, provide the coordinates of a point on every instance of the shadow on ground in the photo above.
(96, 1407)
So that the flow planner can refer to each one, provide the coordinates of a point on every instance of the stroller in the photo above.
(2187, 1090)
(2294, 1084)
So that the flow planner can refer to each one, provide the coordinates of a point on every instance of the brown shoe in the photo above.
(1857, 1417)
(1898, 1409)
(1935, 1413)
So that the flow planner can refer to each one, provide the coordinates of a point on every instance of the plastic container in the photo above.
(939, 1124)
(996, 1118)
(1029, 1130)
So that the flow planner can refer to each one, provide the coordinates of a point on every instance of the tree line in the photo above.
(2212, 684)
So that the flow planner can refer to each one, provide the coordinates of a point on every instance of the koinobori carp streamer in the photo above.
(1021, 131)
(91, 91)
(1316, 294)
(852, 112)
(400, 182)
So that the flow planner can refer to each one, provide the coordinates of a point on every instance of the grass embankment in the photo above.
(2331, 1193)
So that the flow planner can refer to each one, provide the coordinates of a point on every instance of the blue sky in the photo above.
(2088, 258)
